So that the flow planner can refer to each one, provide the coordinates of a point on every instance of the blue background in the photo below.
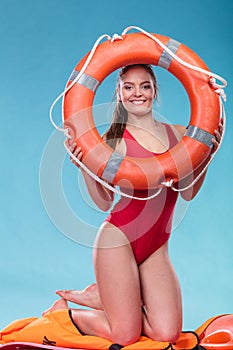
(41, 42)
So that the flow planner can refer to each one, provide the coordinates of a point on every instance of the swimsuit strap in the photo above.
(172, 135)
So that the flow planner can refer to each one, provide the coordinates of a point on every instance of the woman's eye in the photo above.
(146, 87)
(128, 87)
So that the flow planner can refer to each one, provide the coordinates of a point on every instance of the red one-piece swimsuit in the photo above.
(146, 223)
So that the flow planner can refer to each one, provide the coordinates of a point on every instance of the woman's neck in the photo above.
(146, 121)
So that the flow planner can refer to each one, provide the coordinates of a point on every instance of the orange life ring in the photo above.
(176, 163)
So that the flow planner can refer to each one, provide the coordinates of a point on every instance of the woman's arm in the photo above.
(190, 193)
(102, 197)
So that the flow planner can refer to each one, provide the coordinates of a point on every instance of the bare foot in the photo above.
(87, 297)
(57, 305)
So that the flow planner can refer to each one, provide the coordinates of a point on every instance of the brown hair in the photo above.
(120, 114)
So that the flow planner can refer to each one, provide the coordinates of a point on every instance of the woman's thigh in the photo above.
(117, 278)
(161, 297)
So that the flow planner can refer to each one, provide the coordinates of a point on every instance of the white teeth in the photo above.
(136, 102)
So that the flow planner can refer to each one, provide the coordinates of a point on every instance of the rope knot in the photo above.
(213, 83)
(218, 89)
(116, 37)
(222, 94)
(66, 133)
(168, 183)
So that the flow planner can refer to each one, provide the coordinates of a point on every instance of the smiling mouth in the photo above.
(138, 102)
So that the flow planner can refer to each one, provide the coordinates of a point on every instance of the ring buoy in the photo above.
(176, 163)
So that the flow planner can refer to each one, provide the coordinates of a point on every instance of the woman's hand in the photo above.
(218, 135)
(102, 197)
(77, 152)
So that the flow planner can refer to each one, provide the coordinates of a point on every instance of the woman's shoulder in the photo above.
(179, 129)
(120, 146)
(176, 129)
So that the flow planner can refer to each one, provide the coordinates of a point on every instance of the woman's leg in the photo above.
(119, 289)
(87, 297)
(57, 305)
(161, 297)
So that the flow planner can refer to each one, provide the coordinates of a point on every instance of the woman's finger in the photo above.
(221, 128)
(77, 151)
(217, 135)
(72, 147)
(77, 154)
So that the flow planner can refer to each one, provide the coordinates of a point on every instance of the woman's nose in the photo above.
(137, 91)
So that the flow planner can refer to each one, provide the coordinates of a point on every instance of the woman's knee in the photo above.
(165, 334)
(169, 335)
(126, 335)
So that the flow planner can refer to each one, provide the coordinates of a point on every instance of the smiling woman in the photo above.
(136, 232)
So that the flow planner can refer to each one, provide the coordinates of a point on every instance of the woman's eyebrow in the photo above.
(130, 82)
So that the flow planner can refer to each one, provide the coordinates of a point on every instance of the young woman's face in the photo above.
(136, 91)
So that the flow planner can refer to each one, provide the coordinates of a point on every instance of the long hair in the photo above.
(120, 114)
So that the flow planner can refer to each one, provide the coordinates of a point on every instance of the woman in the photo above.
(137, 290)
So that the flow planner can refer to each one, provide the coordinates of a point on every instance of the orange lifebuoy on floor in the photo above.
(176, 163)
(56, 328)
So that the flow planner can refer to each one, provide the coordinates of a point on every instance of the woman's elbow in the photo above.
(104, 208)
(188, 195)
(104, 205)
